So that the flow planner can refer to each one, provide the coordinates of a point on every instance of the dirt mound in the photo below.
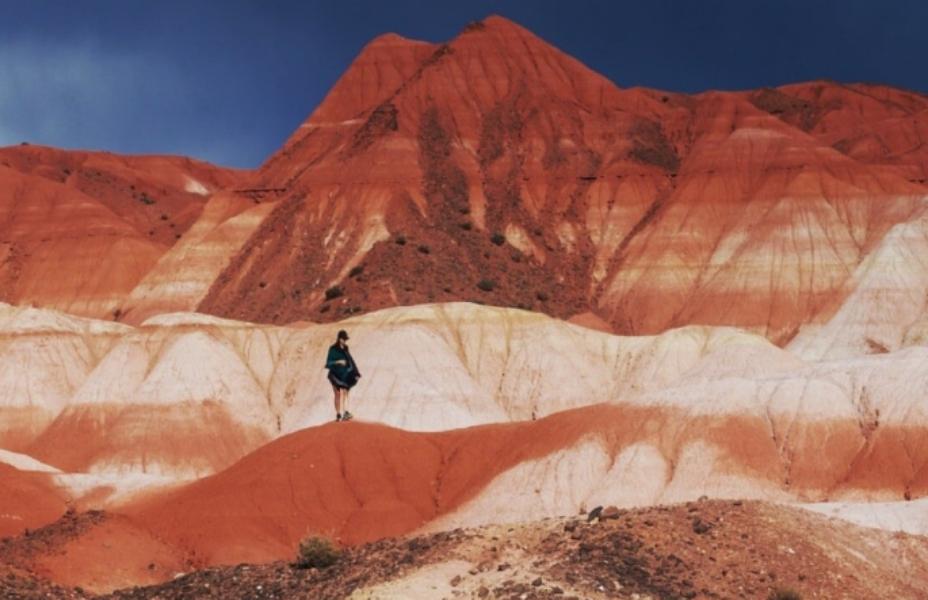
(94, 551)
(18, 585)
(359, 482)
(696, 550)
(358, 567)
(28, 500)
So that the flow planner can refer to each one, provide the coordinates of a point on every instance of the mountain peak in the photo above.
(392, 40)
(500, 27)
(495, 22)
(379, 69)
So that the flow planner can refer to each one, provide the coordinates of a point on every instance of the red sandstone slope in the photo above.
(28, 500)
(871, 123)
(496, 169)
(139, 189)
(359, 482)
(78, 230)
(63, 249)
(500, 170)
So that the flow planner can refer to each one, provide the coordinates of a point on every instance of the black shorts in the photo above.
(339, 383)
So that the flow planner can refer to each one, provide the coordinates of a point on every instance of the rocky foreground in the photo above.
(709, 549)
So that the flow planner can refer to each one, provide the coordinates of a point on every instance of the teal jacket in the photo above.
(342, 375)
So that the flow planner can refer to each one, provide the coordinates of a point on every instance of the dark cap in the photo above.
(342, 334)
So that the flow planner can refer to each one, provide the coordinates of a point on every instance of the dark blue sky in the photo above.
(229, 80)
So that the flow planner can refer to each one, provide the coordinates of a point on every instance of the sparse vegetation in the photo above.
(334, 292)
(401, 240)
(542, 296)
(784, 594)
(498, 238)
(355, 271)
(317, 552)
(466, 226)
(487, 285)
(146, 199)
(424, 249)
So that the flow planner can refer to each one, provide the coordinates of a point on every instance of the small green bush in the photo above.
(317, 552)
(355, 271)
(333, 292)
(784, 594)
(498, 238)
(487, 285)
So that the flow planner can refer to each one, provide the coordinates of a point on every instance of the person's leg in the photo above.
(345, 403)
(338, 403)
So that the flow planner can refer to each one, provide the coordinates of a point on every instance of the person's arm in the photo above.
(332, 359)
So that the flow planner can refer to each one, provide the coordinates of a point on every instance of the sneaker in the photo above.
(347, 416)
(338, 417)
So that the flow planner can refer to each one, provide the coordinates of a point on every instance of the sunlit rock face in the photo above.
(184, 395)
(805, 436)
(886, 304)
(694, 411)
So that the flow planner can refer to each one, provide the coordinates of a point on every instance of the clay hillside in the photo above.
(615, 343)
(497, 169)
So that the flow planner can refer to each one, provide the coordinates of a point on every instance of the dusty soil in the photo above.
(22, 550)
(711, 549)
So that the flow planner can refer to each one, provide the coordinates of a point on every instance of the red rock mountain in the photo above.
(493, 168)
(78, 230)
(497, 169)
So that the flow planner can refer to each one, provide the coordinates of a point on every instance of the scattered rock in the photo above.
(594, 514)
(700, 526)
(610, 512)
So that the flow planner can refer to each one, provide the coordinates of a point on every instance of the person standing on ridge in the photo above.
(343, 374)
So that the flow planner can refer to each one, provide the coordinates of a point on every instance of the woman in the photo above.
(343, 374)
